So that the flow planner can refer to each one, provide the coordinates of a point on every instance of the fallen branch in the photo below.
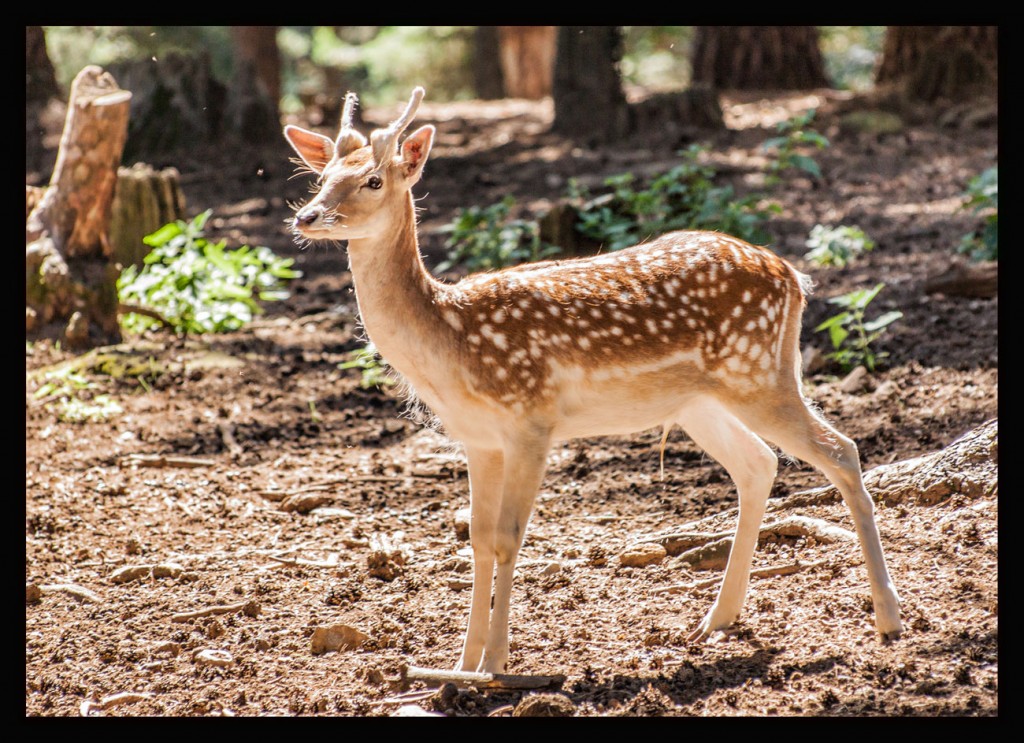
(80, 593)
(479, 680)
(759, 573)
(125, 697)
(330, 563)
(249, 608)
(160, 460)
(968, 466)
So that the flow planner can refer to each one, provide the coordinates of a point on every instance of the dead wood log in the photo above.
(968, 466)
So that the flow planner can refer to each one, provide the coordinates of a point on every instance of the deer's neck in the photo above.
(398, 298)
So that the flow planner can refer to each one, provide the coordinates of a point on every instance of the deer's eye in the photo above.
(374, 182)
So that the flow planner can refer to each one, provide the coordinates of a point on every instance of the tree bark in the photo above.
(70, 278)
(932, 62)
(40, 79)
(590, 106)
(144, 201)
(488, 81)
(256, 46)
(758, 58)
(527, 60)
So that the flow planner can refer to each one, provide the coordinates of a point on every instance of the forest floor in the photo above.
(165, 577)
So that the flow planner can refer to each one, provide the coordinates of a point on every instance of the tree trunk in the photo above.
(527, 60)
(488, 82)
(70, 278)
(256, 46)
(758, 58)
(932, 62)
(587, 88)
(176, 103)
(40, 80)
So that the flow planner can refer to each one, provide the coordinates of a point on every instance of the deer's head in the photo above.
(363, 184)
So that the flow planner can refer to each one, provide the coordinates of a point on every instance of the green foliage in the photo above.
(68, 392)
(486, 238)
(197, 286)
(656, 57)
(373, 370)
(851, 335)
(684, 198)
(796, 136)
(850, 54)
(983, 198)
(836, 246)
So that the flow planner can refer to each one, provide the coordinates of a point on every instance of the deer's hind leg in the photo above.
(796, 428)
(752, 465)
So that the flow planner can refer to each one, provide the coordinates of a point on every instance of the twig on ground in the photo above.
(80, 593)
(124, 697)
(479, 680)
(249, 608)
(160, 460)
(759, 573)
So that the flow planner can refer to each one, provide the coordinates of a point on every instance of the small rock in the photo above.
(462, 524)
(642, 555)
(170, 648)
(132, 546)
(336, 637)
(384, 564)
(142, 572)
(551, 568)
(459, 584)
(855, 381)
(545, 705)
(33, 593)
(210, 657)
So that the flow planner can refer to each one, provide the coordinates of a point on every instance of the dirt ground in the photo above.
(190, 481)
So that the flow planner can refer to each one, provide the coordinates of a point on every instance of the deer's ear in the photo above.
(316, 150)
(415, 149)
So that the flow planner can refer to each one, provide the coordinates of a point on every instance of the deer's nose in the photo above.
(307, 216)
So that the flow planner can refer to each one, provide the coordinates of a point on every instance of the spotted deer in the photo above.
(695, 329)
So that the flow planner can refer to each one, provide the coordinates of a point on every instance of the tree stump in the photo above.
(145, 200)
(70, 277)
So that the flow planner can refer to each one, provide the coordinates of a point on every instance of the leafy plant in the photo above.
(486, 238)
(374, 372)
(68, 392)
(836, 246)
(796, 135)
(983, 198)
(851, 334)
(684, 197)
(196, 286)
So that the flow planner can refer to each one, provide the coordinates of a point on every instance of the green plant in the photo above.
(850, 54)
(196, 286)
(851, 335)
(68, 392)
(374, 372)
(983, 198)
(683, 198)
(486, 238)
(836, 246)
(796, 135)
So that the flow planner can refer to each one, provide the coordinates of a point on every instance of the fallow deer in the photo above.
(696, 329)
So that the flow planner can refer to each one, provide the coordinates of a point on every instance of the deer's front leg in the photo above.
(485, 486)
(525, 459)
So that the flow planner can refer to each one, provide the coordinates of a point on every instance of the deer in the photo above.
(694, 328)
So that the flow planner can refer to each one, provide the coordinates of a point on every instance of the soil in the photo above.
(190, 480)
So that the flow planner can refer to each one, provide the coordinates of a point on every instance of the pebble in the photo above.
(336, 637)
(642, 555)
